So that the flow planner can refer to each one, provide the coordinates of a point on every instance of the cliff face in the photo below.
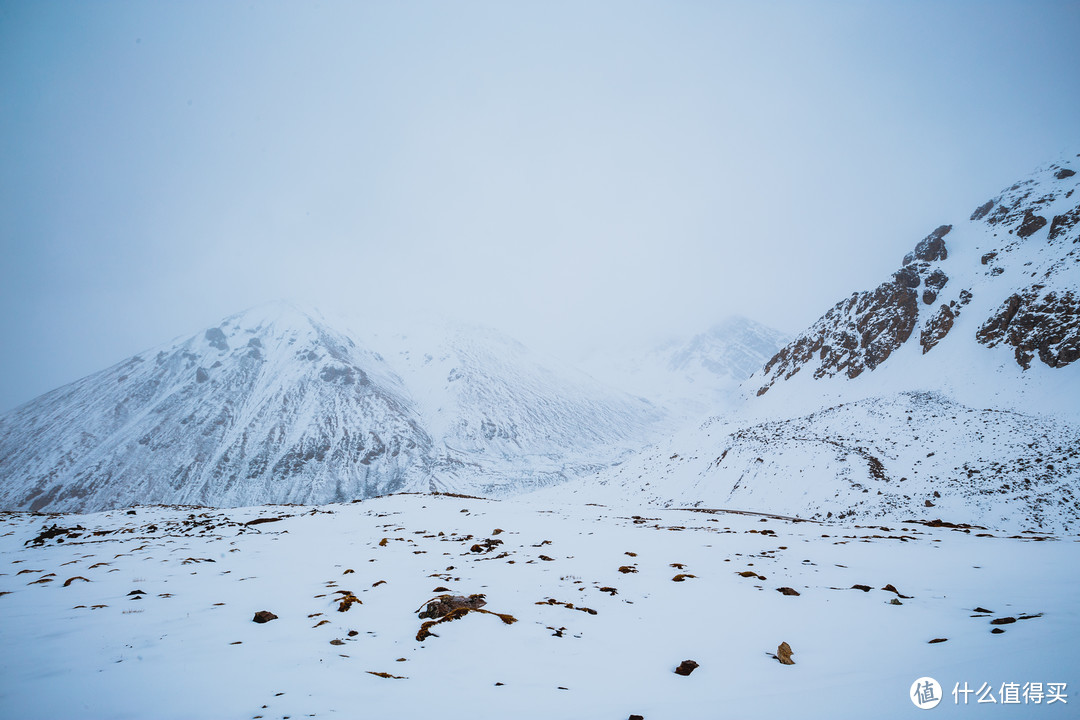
(1034, 229)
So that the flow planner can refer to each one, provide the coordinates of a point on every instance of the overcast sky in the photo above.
(575, 174)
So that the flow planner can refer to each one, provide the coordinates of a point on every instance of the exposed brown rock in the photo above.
(460, 612)
(1064, 173)
(937, 640)
(264, 616)
(686, 667)
(1032, 224)
(783, 654)
(624, 569)
(936, 328)
(864, 588)
(446, 604)
(1003, 621)
(347, 600)
(73, 579)
(892, 588)
(931, 248)
(1061, 224)
(982, 211)
(787, 591)
(1036, 324)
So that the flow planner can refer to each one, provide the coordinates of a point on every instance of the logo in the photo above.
(925, 693)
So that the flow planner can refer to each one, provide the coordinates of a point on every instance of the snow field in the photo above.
(171, 654)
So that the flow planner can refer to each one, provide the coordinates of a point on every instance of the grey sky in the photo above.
(573, 173)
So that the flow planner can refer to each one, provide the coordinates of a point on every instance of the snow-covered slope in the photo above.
(982, 308)
(274, 405)
(271, 405)
(949, 391)
(602, 604)
(697, 376)
(504, 418)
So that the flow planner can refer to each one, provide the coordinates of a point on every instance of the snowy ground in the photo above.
(187, 646)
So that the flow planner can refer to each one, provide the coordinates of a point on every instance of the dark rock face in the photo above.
(1061, 224)
(1033, 323)
(201, 375)
(937, 328)
(1064, 173)
(264, 616)
(934, 283)
(1032, 224)
(856, 334)
(861, 332)
(931, 248)
(217, 339)
(983, 210)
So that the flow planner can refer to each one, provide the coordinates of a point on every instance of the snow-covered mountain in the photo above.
(269, 406)
(504, 418)
(274, 405)
(696, 376)
(949, 391)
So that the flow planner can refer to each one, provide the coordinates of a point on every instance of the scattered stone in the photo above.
(982, 610)
(260, 521)
(681, 577)
(864, 588)
(610, 590)
(891, 588)
(783, 654)
(686, 667)
(895, 601)
(787, 591)
(73, 579)
(997, 631)
(337, 641)
(264, 616)
(386, 675)
(1003, 621)
(347, 601)
(445, 604)
(624, 569)
(636, 717)
(937, 640)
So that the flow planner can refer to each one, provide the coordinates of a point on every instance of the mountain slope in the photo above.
(504, 418)
(274, 405)
(948, 391)
(697, 376)
(995, 295)
(270, 406)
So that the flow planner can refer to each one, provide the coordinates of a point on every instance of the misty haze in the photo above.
(489, 360)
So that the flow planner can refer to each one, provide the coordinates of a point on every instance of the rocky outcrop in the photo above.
(1036, 323)
(1032, 224)
(861, 332)
(931, 248)
(1061, 224)
(939, 324)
